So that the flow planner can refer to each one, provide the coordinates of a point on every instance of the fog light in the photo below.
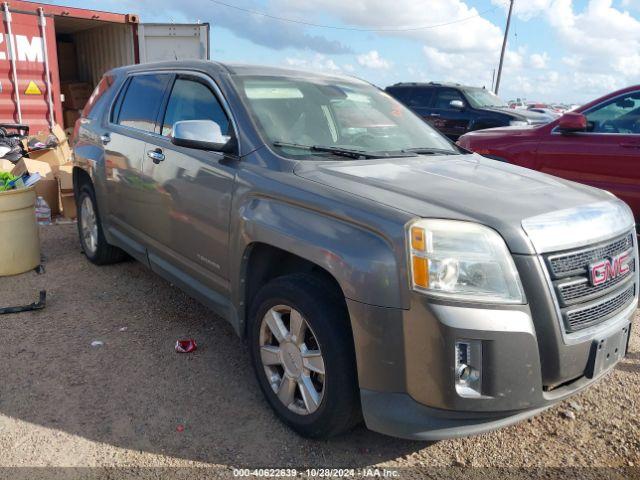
(468, 368)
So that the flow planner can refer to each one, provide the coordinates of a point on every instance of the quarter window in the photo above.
(193, 100)
(142, 101)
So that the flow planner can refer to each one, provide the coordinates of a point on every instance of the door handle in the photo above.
(105, 138)
(630, 145)
(434, 114)
(156, 155)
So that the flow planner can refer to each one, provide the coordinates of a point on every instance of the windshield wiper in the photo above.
(344, 152)
(430, 151)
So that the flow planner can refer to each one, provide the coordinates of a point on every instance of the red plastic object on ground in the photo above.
(186, 346)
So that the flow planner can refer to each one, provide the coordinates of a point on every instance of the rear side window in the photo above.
(142, 100)
(413, 97)
(193, 100)
(98, 97)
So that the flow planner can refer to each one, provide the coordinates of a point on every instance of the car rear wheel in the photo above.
(92, 239)
(302, 353)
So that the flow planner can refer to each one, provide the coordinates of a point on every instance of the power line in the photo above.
(354, 29)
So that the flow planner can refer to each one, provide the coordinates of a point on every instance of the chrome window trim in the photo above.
(589, 333)
(194, 73)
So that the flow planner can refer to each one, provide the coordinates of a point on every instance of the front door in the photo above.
(606, 156)
(449, 120)
(131, 124)
(193, 188)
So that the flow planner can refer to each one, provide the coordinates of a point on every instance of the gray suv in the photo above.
(376, 270)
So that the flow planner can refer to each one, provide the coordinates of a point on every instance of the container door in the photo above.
(29, 104)
(170, 41)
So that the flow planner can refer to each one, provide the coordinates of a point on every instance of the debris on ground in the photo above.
(97, 343)
(39, 305)
(568, 414)
(186, 346)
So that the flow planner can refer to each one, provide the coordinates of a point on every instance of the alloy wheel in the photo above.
(88, 225)
(292, 360)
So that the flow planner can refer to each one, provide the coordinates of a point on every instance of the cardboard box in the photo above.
(28, 165)
(49, 190)
(67, 199)
(75, 94)
(47, 187)
(65, 176)
(67, 204)
(6, 165)
(52, 156)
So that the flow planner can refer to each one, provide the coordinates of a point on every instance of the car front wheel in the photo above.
(302, 353)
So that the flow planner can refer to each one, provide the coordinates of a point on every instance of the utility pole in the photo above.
(504, 46)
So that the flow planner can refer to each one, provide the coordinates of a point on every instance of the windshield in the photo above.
(336, 115)
(480, 98)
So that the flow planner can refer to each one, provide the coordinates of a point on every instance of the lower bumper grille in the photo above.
(583, 301)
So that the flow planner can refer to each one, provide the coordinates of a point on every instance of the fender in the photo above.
(361, 260)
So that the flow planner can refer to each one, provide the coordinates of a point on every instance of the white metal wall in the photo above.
(103, 48)
(173, 41)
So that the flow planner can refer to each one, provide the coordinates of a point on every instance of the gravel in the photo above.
(133, 402)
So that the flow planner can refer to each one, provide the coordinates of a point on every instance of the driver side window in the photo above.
(619, 115)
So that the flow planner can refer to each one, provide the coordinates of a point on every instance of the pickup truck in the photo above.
(377, 271)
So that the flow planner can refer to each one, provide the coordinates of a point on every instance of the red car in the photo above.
(597, 144)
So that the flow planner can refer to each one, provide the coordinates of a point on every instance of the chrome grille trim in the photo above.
(575, 262)
(591, 308)
(574, 290)
(599, 311)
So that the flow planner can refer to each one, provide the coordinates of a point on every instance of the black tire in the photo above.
(104, 253)
(325, 312)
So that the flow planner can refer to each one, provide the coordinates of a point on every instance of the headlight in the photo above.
(518, 123)
(463, 261)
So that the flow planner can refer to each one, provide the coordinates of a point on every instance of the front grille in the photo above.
(583, 305)
(586, 317)
(576, 262)
(575, 290)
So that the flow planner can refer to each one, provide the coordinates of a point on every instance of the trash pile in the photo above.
(42, 160)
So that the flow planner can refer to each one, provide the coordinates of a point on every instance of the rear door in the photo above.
(132, 123)
(606, 156)
(192, 187)
(449, 120)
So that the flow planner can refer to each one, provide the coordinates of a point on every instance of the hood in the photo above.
(523, 114)
(463, 187)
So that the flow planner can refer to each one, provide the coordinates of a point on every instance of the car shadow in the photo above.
(133, 390)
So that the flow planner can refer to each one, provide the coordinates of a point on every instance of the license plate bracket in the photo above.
(606, 352)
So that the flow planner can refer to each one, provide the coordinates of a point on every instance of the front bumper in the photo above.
(406, 368)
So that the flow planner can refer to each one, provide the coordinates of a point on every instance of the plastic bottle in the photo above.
(43, 212)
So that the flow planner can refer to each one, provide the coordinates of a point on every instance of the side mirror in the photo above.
(201, 134)
(457, 104)
(572, 122)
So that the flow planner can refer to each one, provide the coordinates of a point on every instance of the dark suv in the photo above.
(455, 109)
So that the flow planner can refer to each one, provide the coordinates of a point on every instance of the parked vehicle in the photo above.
(550, 112)
(597, 144)
(62, 52)
(375, 269)
(454, 109)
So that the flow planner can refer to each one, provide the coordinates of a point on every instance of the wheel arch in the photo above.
(275, 238)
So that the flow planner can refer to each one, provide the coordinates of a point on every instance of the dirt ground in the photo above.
(135, 403)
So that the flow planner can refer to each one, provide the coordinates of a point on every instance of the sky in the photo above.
(558, 50)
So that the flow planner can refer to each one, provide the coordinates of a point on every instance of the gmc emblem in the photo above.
(609, 268)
